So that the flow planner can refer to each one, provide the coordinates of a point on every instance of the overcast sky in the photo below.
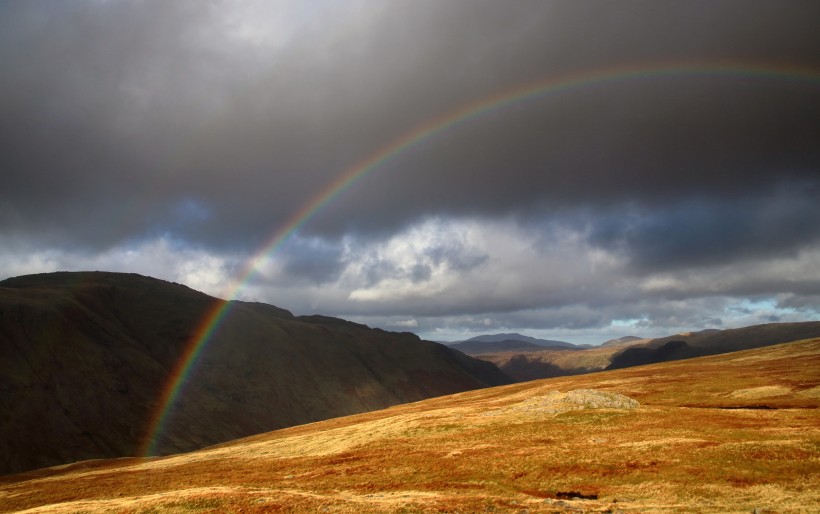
(175, 138)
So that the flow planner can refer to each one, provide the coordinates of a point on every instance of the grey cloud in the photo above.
(442, 252)
(800, 302)
(310, 261)
(567, 153)
(580, 323)
(710, 231)
(115, 111)
(421, 273)
(456, 256)
(378, 271)
(210, 124)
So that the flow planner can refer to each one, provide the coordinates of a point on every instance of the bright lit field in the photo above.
(729, 433)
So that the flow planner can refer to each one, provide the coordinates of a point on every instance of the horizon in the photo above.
(594, 338)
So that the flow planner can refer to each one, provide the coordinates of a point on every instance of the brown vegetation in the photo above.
(729, 433)
(554, 362)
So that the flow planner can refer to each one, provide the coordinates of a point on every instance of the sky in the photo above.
(576, 170)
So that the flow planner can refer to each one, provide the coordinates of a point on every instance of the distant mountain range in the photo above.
(86, 357)
(510, 342)
(712, 342)
(621, 341)
(518, 337)
(533, 363)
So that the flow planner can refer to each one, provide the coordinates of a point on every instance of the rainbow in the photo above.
(532, 91)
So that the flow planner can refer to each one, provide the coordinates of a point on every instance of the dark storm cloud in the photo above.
(667, 144)
(114, 114)
(714, 231)
(310, 261)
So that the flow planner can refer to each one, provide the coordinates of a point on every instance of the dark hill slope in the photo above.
(713, 342)
(84, 358)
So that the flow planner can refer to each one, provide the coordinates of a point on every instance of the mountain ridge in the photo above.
(550, 363)
(514, 336)
(87, 355)
(621, 340)
(478, 347)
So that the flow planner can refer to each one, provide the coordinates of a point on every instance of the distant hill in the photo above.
(473, 347)
(621, 340)
(638, 356)
(713, 342)
(496, 338)
(84, 358)
(627, 352)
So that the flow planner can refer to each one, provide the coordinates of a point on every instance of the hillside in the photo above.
(630, 351)
(732, 433)
(85, 358)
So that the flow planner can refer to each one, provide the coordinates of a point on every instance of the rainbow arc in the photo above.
(550, 86)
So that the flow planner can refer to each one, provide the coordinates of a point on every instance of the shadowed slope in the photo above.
(712, 342)
(84, 357)
(686, 436)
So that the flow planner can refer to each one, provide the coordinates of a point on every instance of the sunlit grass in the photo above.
(507, 449)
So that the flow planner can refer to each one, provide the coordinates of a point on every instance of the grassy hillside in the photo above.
(728, 433)
(84, 358)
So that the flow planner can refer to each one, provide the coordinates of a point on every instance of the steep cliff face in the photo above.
(85, 359)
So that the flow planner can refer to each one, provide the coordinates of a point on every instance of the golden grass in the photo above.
(727, 433)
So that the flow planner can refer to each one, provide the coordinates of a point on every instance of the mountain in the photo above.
(86, 357)
(549, 363)
(621, 340)
(473, 347)
(495, 338)
(729, 433)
